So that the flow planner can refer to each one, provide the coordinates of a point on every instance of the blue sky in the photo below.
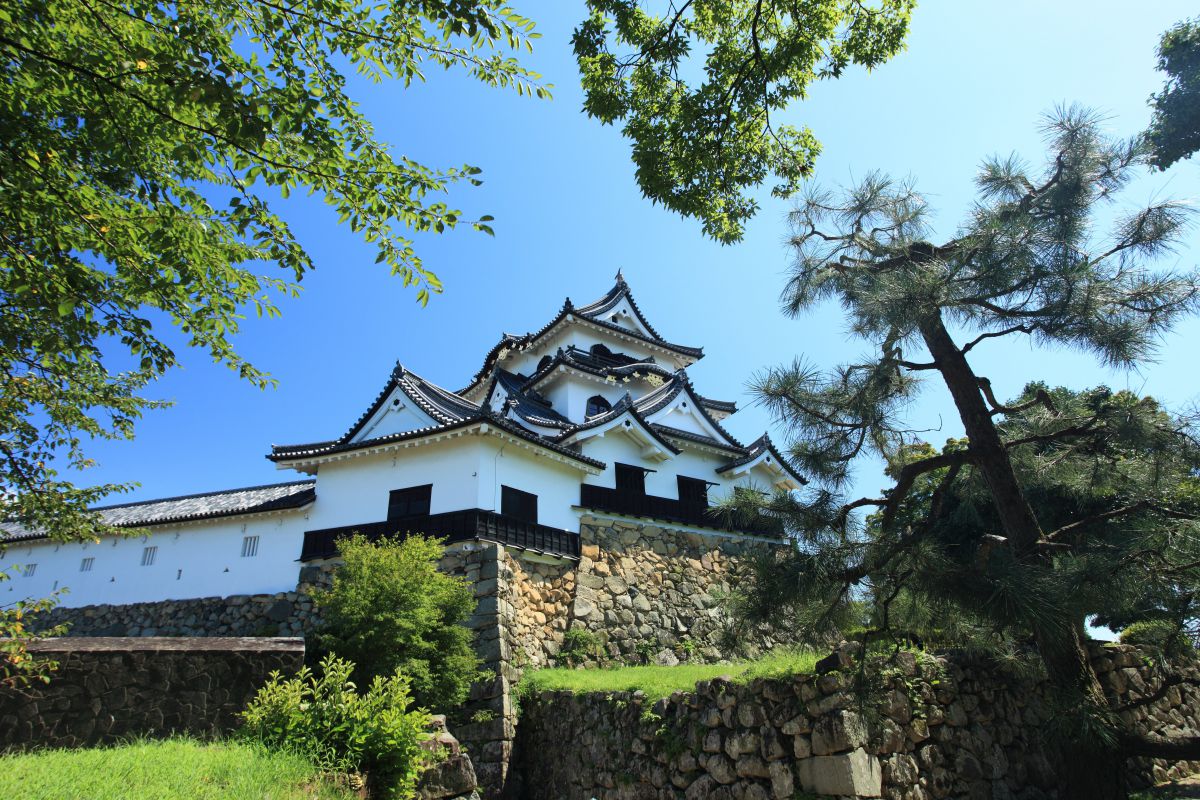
(974, 80)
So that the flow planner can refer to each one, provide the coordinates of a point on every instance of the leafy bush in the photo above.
(17, 666)
(390, 608)
(1161, 633)
(579, 644)
(326, 720)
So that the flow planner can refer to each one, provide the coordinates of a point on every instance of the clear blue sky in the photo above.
(974, 81)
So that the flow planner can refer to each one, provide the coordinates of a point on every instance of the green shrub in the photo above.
(579, 644)
(390, 608)
(1161, 633)
(326, 720)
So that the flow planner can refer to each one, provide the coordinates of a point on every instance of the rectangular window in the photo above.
(86, 564)
(517, 504)
(249, 546)
(693, 491)
(148, 555)
(631, 479)
(29, 570)
(410, 502)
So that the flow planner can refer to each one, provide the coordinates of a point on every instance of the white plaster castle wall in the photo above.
(616, 447)
(202, 559)
(355, 490)
(555, 484)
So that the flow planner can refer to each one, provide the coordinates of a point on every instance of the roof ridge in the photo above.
(198, 495)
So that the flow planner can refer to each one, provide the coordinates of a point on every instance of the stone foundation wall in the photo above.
(924, 729)
(646, 593)
(109, 689)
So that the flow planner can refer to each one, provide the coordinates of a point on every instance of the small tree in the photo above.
(391, 609)
(1025, 263)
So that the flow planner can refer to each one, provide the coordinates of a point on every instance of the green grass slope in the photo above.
(659, 682)
(176, 769)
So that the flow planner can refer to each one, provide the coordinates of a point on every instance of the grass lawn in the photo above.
(659, 682)
(176, 769)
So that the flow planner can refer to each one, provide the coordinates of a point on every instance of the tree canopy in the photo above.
(1031, 260)
(1174, 132)
(142, 144)
(700, 89)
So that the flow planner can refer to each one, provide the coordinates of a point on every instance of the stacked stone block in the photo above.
(921, 730)
(109, 689)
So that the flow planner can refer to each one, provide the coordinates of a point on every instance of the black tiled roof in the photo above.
(614, 296)
(527, 404)
(618, 365)
(727, 406)
(443, 406)
(756, 449)
(589, 313)
(698, 438)
(653, 401)
(448, 409)
(623, 406)
(186, 508)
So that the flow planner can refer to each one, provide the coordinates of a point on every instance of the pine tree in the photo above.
(1026, 262)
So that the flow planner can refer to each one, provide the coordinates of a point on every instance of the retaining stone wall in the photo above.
(929, 729)
(108, 689)
(646, 592)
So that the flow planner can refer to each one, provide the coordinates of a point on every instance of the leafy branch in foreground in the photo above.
(701, 88)
(141, 143)
(17, 666)
(1048, 496)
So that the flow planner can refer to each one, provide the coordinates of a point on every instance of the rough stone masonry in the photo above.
(927, 729)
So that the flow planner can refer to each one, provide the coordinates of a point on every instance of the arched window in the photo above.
(597, 405)
(601, 350)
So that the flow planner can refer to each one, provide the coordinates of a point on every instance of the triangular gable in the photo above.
(396, 414)
(677, 406)
(766, 462)
(623, 315)
(625, 420)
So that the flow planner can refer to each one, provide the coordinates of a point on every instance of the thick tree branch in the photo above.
(910, 472)
(966, 348)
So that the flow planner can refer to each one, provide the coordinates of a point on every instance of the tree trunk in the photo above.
(1087, 770)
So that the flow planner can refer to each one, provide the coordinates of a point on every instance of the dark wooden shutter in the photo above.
(631, 479)
(693, 491)
(518, 505)
(410, 502)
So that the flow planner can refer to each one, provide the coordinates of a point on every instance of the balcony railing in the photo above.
(601, 498)
(454, 526)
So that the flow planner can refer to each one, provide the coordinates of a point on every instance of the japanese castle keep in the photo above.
(571, 476)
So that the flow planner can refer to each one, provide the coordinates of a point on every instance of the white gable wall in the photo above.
(622, 315)
(397, 415)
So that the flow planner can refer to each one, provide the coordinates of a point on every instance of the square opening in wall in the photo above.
(87, 564)
(249, 546)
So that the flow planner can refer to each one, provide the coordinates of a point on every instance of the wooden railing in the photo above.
(601, 498)
(454, 526)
